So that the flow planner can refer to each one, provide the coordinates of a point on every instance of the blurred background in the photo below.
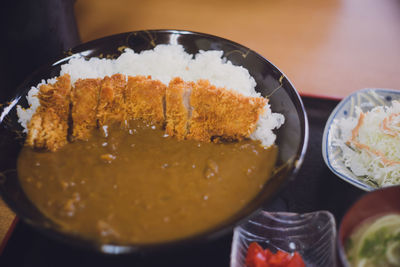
(329, 48)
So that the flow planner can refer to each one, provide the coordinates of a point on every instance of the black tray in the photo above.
(315, 188)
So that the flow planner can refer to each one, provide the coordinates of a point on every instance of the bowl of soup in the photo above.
(118, 158)
(370, 230)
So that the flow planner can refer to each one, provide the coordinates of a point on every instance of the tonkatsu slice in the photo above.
(112, 104)
(145, 99)
(84, 99)
(177, 107)
(218, 113)
(48, 127)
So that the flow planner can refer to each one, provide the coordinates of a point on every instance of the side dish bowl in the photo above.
(370, 205)
(312, 235)
(366, 99)
(292, 137)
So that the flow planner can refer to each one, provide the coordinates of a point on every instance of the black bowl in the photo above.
(292, 137)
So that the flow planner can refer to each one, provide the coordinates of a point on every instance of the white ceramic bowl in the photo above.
(366, 99)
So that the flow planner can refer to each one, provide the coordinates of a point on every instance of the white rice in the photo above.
(165, 62)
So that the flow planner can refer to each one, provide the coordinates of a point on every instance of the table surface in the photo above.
(329, 48)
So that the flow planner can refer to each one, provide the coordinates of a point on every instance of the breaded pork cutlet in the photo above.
(84, 99)
(198, 111)
(48, 127)
(222, 114)
(112, 106)
(177, 107)
(145, 99)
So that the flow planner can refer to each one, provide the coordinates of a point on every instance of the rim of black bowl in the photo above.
(206, 236)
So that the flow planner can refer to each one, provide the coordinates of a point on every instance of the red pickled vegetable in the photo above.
(258, 257)
(281, 258)
(296, 261)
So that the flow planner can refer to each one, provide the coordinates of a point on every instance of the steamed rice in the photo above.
(165, 62)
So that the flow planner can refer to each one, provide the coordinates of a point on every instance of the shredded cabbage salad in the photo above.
(370, 144)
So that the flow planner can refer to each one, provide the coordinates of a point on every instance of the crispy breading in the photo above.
(57, 96)
(84, 99)
(47, 130)
(221, 113)
(177, 108)
(112, 106)
(198, 111)
(48, 127)
(145, 99)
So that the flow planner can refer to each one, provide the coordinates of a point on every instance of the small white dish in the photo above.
(313, 235)
(366, 99)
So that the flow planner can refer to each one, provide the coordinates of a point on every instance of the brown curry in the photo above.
(138, 185)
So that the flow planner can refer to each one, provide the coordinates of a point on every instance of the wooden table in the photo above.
(328, 48)
(7, 218)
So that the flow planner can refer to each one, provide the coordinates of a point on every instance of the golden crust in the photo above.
(48, 127)
(177, 114)
(84, 99)
(112, 107)
(145, 99)
(57, 96)
(212, 114)
(47, 130)
(220, 113)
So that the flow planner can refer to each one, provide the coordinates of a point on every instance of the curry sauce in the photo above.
(138, 185)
